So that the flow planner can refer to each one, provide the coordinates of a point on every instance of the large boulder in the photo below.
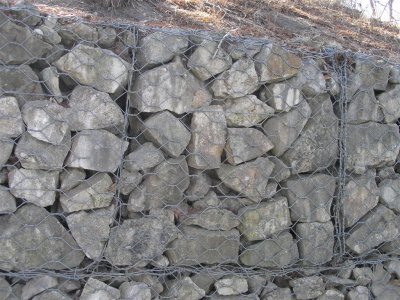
(11, 124)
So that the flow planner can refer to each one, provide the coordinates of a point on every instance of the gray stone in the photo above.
(208, 139)
(209, 60)
(390, 101)
(385, 291)
(196, 246)
(249, 179)
(51, 81)
(315, 242)
(99, 68)
(283, 129)
(96, 290)
(6, 147)
(97, 150)
(363, 276)
(213, 219)
(276, 252)
(160, 262)
(159, 47)
(199, 186)
(32, 240)
(231, 285)
(331, 294)
(7, 201)
(107, 37)
(209, 200)
(238, 50)
(52, 295)
(233, 297)
(135, 290)
(307, 287)
(261, 221)
(128, 181)
(256, 283)
(240, 80)
(152, 281)
(246, 111)
(140, 240)
(144, 157)
(167, 132)
(310, 79)
(393, 267)
(71, 177)
(282, 96)
(183, 289)
(35, 186)
(11, 125)
(95, 192)
(281, 171)
(394, 74)
(378, 226)
(27, 13)
(310, 197)
(244, 144)
(78, 32)
(205, 281)
(48, 34)
(358, 293)
(317, 146)
(5, 289)
(371, 73)
(391, 247)
(38, 285)
(275, 64)
(278, 294)
(68, 285)
(16, 292)
(364, 107)
(169, 87)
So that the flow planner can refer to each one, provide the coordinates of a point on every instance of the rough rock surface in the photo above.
(281, 171)
(310, 79)
(38, 285)
(364, 107)
(281, 96)
(135, 290)
(95, 289)
(307, 287)
(213, 219)
(146, 156)
(231, 285)
(358, 293)
(11, 125)
(389, 101)
(389, 193)
(51, 81)
(199, 186)
(6, 148)
(71, 177)
(184, 289)
(128, 181)
(7, 201)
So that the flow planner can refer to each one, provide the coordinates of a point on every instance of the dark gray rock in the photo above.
(144, 157)
(281, 171)
(363, 276)
(358, 293)
(107, 37)
(307, 287)
(200, 184)
(11, 125)
(95, 289)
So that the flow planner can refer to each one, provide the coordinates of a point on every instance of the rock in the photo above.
(7, 202)
(160, 262)
(208, 139)
(213, 219)
(32, 240)
(248, 179)
(364, 107)
(205, 281)
(392, 247)
(234, 297)
(209, 60)
(36, 154)
(146, 156)
(183, 289)
(244, 144)
(135, 290)
(278, 294)
(307, 287)
(240, 80)
(169, 87)
(363, 276)
(378, 226)
(371, 145)
(71, 177)
(152, 281)
(283, 129)
(95, 192)
(196, 246)
(394, 74)
(68, 285)
(52, 295)
(276, 252)
(27, 13)
(385, 291)
(281, 171)
(331, 294)
(91, 109)
(281, 96)
(158, 48)
(238, 50)
(358, 293)
(317, 146)
(128, 181)
(97, 150)
(231, 285)
(5, 288)
(96, 290)
(310, 79)
(389, 101)
(315, 242)
(393, 267)
(310, 197)
(49, 35)
(256, 283)
(99, 68)
(262, 220)
(107, 37)
(38, 285)
(274, 64)
(35, 186)
(11, 125)
(51, 81)
(370, 73)
(78, 32)
(6, 147)
(167, 132)
(199, 186)
(21, 82)
(139, 240)
(246, 111)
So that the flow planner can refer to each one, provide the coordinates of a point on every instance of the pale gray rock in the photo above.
(35, 186)
(370, 73)
(32, 240)
(16, 292)
(135, 290)
(144, 157)
(307, 287)
(240, 80)
(256, 283)
(244, 144)
(107, 37)
(281, 171)
(96, 150)
(99, 68)
(363, 276)
(310, 79)
(5, 289)
(51, 81)
(215, 296)
(48, 34)
(71, 177)
(385, 291)
(231, 285)
(95, 192)
(394, 74)
(7, 201)
(378, 226)
(25, 12)
(38, 285)
(52, 295)
(200, 246)
(169, 87)
(364, 107)
(167, 132)
(152, 281)
(97, 290)
(278, 294)
(205, 281)
(6, 147)
(128, 181)
(392, 247)
(11, 124)
(261, 221)
(331, 294)
(238, 50)
(315, 242)
(68, 285)
(275, 252)
(282, 96)
(199, 186)
(213, 219)
(358, 293)
(78, 32)
(208, 139)
(390, 101)
(183, 289)
(246, 111)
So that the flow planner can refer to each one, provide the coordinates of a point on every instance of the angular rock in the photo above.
(208, 139)
(281, 96)
(331, 294)
(283, 129)
(6, 147)
(167, 132)
(78, 32)
(11, 125)
(35, 186)
(5, 288)
(199, 186)
(389, 101)
(358, 293)
(317, 146)
(183, 289)
(248, 179)
(231, 285)
(27, 13)
(307, 287)
(310, 197)
(310, 79)
(205, 281)
(7, 201)
(135, 290)
(261, 221)
(97, 150)
(99, 68)
(50, 77)
(364, 107)
(278, 294)
(128, 181)
(276, 252)
(95, 289)
(48, 34)
(244, 144)
(238, 50)
(281, 171)
(240, 80)
(71, 177)
(315, 242)
(169, 87)
(200, 246)
(146, 156)
(389, 194)
(246, 111)
(213, 219)
(378, 226)
(32, 240)
(371, 73)
(363, 276)
(95, 192)
(107, 37)
(371, 145)
(38, 285)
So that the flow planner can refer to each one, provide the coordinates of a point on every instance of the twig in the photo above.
(220, 42)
